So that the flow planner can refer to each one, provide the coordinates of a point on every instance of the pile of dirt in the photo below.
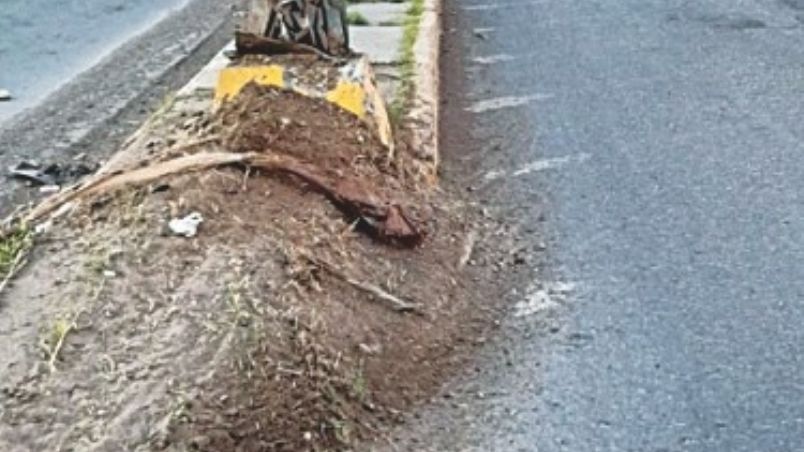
(273, 329)
(305, 70)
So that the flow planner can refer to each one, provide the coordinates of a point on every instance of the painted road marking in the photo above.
(546, 164)
(490, 6)
(491, 59)
(537, 166)
(544, 297)
(499, 103)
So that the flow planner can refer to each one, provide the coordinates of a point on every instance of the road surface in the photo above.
(658, 148)
(86, 74)
(45, 43)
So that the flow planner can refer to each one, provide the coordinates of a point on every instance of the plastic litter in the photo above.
(32, 172)
(187, 226)
(50, 175)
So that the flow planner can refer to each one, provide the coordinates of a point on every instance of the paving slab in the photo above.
(381, 13)
(381, 44)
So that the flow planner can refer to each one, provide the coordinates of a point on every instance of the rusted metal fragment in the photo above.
(251, 44)
(319, 23)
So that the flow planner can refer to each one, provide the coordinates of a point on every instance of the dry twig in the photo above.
(397, 304)
(16, 266)
(468, 248)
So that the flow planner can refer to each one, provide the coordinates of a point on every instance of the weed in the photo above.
(343, 430)
(407, 61)
(164, 107)
(359, 388)
(238, 303)
(14, 247)
(356, 19)
(97, 262)
(54, 339)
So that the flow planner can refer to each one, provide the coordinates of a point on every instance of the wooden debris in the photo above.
(251, 44)
(396, 303)
(383, 220)
(110, 181)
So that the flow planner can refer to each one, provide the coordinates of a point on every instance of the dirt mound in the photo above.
(267, 119)
(273, 329)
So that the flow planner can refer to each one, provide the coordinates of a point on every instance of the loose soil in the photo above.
(248, 337)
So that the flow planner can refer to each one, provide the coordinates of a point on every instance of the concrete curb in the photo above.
(425, 109)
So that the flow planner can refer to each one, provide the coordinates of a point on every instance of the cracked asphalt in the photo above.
(655, 147)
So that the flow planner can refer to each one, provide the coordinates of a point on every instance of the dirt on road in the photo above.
(276, 327)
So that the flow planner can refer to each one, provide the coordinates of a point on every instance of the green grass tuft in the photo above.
(407, 61)
(13, 245)
(356, 19)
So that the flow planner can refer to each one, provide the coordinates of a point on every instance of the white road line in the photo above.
(505, 102)
(490, 6)
(538, 165)
(491, 59)
(544, 297)
(494, 175)
(483, 7)
(546, 164)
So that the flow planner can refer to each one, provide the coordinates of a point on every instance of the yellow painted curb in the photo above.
(350, 97)
(232, 79)
(354, 89)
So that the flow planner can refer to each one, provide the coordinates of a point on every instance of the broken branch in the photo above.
(250, 44)
(397, 304)
(384, 220)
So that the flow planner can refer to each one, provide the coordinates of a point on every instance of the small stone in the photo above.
(5, 95)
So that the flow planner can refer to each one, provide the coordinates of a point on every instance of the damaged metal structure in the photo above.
(275, 43)
(318, 23)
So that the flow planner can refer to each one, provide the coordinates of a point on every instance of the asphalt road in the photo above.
(44, 43)
(127, 61)
(658, 148)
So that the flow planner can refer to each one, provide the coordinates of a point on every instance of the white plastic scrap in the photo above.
(5, 94)
(187, 226)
